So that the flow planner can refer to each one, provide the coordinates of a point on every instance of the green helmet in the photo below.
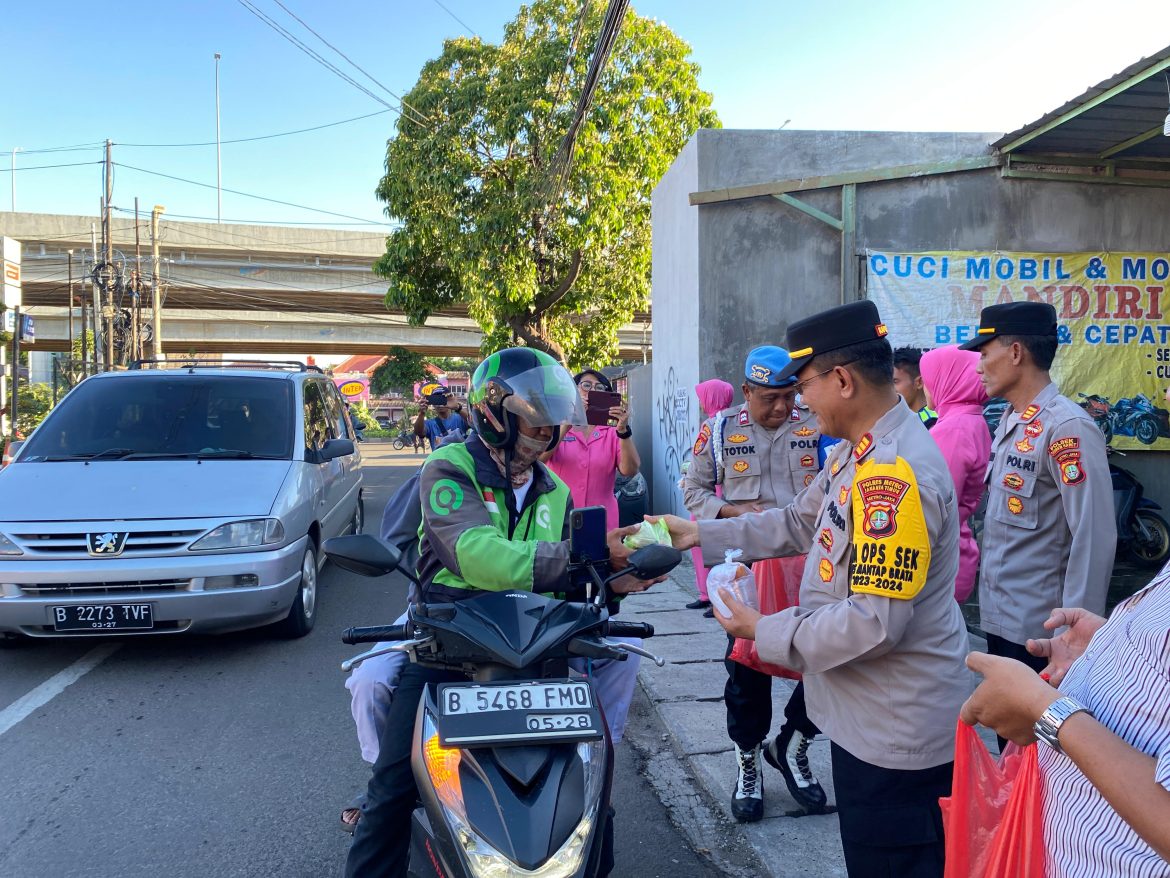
(522, 383)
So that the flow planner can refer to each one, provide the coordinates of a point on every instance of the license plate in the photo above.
(460, 700)
(103, 617)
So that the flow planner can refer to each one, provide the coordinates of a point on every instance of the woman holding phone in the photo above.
(589, 458)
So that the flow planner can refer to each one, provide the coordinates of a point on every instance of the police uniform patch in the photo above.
(1025, 445)
(863, 446)
(743, 419)
(1034, 429)
(1014, 481)
(825, 568)
(1060, 446)
(704, 438)
(808, 460)
(889, 532)
(1015, 505)
(826, 539)
(808, 479)
(1030, 412)
(835, 468)
(795, 416)
(741, 466)
(737, 438)
(803, 431)
(1067, 454)
(843, 495)
(760, 374)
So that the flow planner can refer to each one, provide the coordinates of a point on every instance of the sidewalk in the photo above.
(687, 695)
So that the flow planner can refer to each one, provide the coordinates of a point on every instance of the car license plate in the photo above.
(458, 700)
(103, 617)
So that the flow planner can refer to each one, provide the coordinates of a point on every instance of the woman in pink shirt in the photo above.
(953, 389)
(589, 458)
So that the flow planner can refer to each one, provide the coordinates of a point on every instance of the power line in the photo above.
(46, 167)
(250, 195)
(419, 117)
(266, 222)
(469, 28)
(262, 136)
(77, 147)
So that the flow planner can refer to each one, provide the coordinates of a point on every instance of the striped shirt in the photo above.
(1124, 679)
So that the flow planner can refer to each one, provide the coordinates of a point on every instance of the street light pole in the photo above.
(12, 175)
(218, 156)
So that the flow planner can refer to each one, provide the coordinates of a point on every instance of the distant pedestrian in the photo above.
(908, 383)
(950, 381)
(714, 396)
(446, 426)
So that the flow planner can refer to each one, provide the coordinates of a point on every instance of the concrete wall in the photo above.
(759, 264)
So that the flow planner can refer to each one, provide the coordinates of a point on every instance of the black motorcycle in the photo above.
(514, 767)
(1141, 529)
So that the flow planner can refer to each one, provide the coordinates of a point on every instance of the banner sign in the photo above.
(1114, 332)
(354, 389)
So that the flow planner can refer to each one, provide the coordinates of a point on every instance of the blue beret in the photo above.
(764, 366)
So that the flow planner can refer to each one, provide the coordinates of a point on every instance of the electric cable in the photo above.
(258, 137)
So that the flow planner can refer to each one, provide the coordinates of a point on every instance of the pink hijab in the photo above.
(951, 380)
(715, 395)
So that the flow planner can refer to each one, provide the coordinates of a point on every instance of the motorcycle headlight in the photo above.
(242, 535)
(483, 860)
(7, 547)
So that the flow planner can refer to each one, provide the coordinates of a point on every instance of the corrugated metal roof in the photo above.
(1135, 110)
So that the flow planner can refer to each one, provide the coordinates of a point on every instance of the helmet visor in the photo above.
(545, 397)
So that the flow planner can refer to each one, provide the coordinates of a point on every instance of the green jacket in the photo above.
(466, 541)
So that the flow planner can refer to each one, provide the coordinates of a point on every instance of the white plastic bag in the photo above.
(736, 578)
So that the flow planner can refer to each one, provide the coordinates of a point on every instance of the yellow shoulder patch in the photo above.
(889, 531)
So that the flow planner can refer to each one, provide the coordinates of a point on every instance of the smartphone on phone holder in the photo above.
(587, 544)
(597, 406)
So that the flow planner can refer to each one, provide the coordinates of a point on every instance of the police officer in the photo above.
(878, 635)
(763, 453)
(1050, 497)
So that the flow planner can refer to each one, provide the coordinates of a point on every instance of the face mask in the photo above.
(528, 449)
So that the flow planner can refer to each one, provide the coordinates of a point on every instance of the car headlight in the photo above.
(7, 547)
(242, 535)
(483, 860)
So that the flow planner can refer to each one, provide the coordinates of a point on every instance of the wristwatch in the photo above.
(1047, 728)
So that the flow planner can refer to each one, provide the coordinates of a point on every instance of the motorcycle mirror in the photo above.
(363, 554)
(650, 562)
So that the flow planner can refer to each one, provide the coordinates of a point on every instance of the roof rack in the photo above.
(296, 365)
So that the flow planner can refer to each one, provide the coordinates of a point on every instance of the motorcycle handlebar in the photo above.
(617, 628)
(375, 634)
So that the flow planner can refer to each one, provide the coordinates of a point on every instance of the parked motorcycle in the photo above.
(1141, 529)
(1098, 408)
(402, 440)
(514, 767)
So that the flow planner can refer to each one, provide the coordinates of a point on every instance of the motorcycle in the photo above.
(402, 440)
(514, 767)
(1098, 408)
(1141, 529)
(1140, 418)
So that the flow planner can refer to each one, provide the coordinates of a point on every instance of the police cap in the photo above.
(764, 365)
(840, 327)
(1013, 318)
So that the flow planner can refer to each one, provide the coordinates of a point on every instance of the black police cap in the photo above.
(832, 330)
(1013, 318)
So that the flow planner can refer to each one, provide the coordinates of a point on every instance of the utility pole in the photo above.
(218, 156)
(96, 290)
(156, 280)
(136, 305)
(12, 173)
(108, 248)
(70, 358)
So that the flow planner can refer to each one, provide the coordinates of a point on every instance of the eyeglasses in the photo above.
(591, 385)
(802, 385)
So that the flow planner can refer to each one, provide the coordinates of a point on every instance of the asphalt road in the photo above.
(223, 756)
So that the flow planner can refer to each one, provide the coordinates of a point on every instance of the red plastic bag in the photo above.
(778, 588)
(993, 822)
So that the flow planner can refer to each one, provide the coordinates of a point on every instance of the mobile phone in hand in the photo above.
(587, 534)
(597, 406)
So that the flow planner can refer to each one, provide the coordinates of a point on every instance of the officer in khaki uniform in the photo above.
(763, 452)
(1050, 530)
(878, 634)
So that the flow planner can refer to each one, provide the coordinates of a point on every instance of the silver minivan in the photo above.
(162, 500)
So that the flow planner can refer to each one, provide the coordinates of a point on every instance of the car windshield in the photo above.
(168, 416)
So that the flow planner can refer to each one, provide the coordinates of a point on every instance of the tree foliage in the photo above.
(559, 267)
(399, 373)
(33, 403)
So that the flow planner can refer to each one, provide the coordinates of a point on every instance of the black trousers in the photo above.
(891, 824)
(748, 697)
(997, 645)
(381, 842)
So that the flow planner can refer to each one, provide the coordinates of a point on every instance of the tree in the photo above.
(402, 369)
(486, 220)
(33, 403)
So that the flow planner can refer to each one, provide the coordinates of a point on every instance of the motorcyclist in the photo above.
(494, 518)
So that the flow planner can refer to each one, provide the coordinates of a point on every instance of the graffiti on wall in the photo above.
(675, 433)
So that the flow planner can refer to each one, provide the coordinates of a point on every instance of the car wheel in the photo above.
(359, 517)
(303, 613)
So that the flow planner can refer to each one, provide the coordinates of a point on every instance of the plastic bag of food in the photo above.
(648, 535)
(736, 578)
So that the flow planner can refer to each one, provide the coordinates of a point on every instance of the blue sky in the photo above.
(898, 65)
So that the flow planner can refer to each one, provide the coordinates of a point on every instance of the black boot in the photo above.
(747, 799)
(788, 754)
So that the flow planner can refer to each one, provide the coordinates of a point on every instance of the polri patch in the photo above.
(704, 438)
(1015, 505)
(1071, 471)
(890, 538)
(1060, 446)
